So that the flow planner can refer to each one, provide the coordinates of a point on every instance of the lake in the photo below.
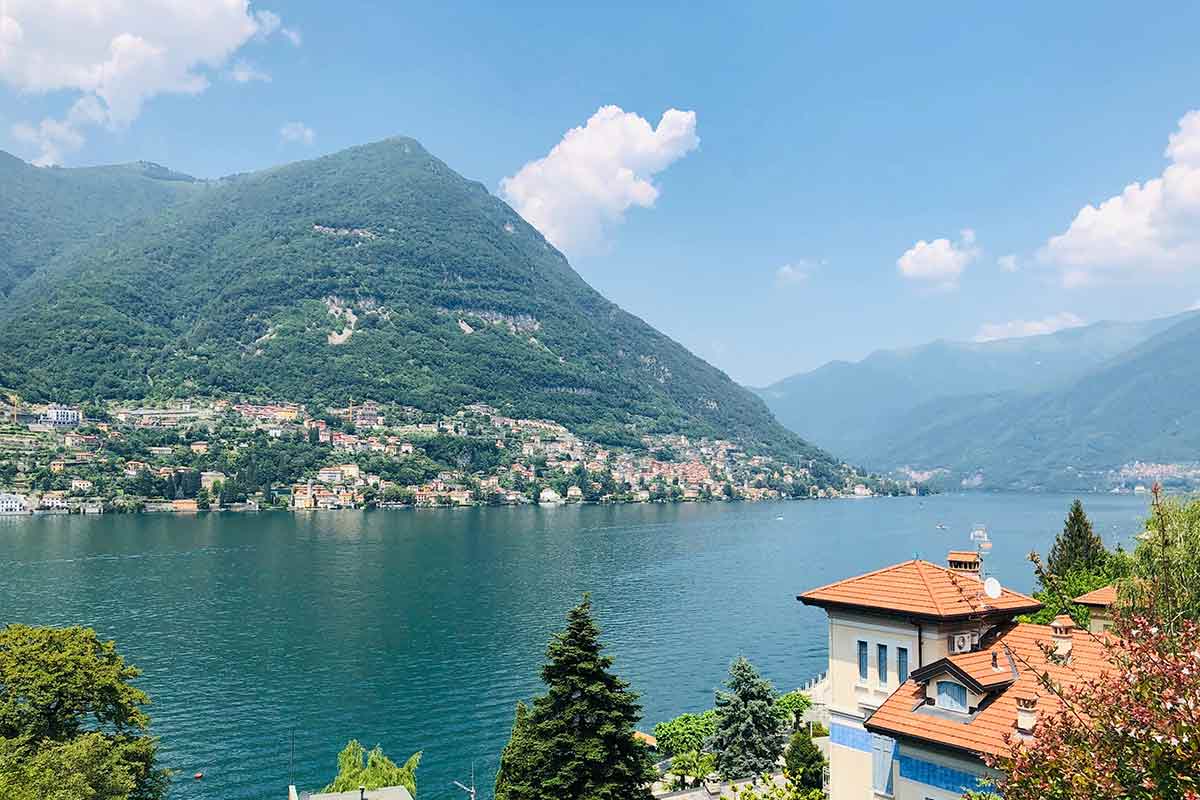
(419, 630)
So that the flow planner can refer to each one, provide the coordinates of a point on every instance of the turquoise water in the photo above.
(419, 630)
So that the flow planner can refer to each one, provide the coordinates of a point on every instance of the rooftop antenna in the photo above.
(470, 791)
(983, 545)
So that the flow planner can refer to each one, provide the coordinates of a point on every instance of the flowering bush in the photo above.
(1133, 732)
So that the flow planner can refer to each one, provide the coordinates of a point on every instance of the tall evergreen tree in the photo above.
(803, 760)
(576, 742)
(1077, 548)
(749, 737)
(517, 757)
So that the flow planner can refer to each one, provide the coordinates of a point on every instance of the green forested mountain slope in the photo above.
(375, 273)
(1139, 405)
(44, 211)
(864, 410)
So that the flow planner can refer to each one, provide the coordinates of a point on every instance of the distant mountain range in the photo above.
(1056, 411)
(374, 273)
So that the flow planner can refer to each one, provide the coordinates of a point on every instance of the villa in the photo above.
(929, 674)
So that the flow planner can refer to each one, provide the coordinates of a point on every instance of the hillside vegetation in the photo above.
(44, 212)
(375, 273)
(1056, 411)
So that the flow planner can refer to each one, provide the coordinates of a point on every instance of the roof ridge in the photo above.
(932, 597)
(949, 571)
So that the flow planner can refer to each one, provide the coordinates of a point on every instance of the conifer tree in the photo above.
(803, 761)
(576, 741)
(1077, 548)
(749, 735)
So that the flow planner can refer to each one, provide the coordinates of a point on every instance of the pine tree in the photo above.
(803, 760)
(1077, 548)
(516, 758)
(576, 742)
(749, 735)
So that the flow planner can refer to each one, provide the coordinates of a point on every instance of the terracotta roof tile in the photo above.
(985, 731)
(1101, 598)
(918, 588)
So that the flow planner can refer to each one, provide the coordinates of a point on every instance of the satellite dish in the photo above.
(991, 587)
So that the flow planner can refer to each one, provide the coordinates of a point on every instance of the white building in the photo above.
(62, 416)
(13, 504)
(923, 680)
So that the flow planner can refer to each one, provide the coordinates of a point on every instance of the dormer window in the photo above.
(952, 696)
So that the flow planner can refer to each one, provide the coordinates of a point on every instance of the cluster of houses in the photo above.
(537, 461)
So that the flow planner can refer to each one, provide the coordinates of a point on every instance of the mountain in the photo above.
(45, 211)
(1056, 411)
(374, 273)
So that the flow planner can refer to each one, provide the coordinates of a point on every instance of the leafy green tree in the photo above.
(791, 708)
(1077, 548)
(690, 768)
(803, 761)
(1059, 599)
(766, 788)
(749, 737)
(374, 770)
(685, 733)
(576, 742)
(71, 722)
(1165, 579)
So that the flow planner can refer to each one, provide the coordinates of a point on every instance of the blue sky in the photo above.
(833, 140)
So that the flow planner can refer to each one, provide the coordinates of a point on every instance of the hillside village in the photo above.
(198, 455)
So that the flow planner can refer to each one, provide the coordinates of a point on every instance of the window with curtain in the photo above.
(902, 664)
(952, 696)
(862, 661)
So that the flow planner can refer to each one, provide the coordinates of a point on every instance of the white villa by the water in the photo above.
(929, 673)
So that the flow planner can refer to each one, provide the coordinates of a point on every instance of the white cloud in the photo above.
(1194, 306)
(245, 72)
(596, 172)
(940, 261)
(115, 55)
(292, 35)
(991, 331)
(297, 132)
(795, 273)
(1008, 263)
(1149, 229)
(790, 274)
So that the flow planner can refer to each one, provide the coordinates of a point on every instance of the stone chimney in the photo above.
(964, 562)
(1027, 712)
(1060, 632)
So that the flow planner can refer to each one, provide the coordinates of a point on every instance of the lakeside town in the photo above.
(198, 455)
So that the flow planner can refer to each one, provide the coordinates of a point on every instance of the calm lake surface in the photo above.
(419, 630)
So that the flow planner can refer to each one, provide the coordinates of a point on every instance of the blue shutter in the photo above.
(881, 656)
(862, 661)
(902, 663)
(883, 752)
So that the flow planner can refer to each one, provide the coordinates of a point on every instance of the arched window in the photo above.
(952, 696)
